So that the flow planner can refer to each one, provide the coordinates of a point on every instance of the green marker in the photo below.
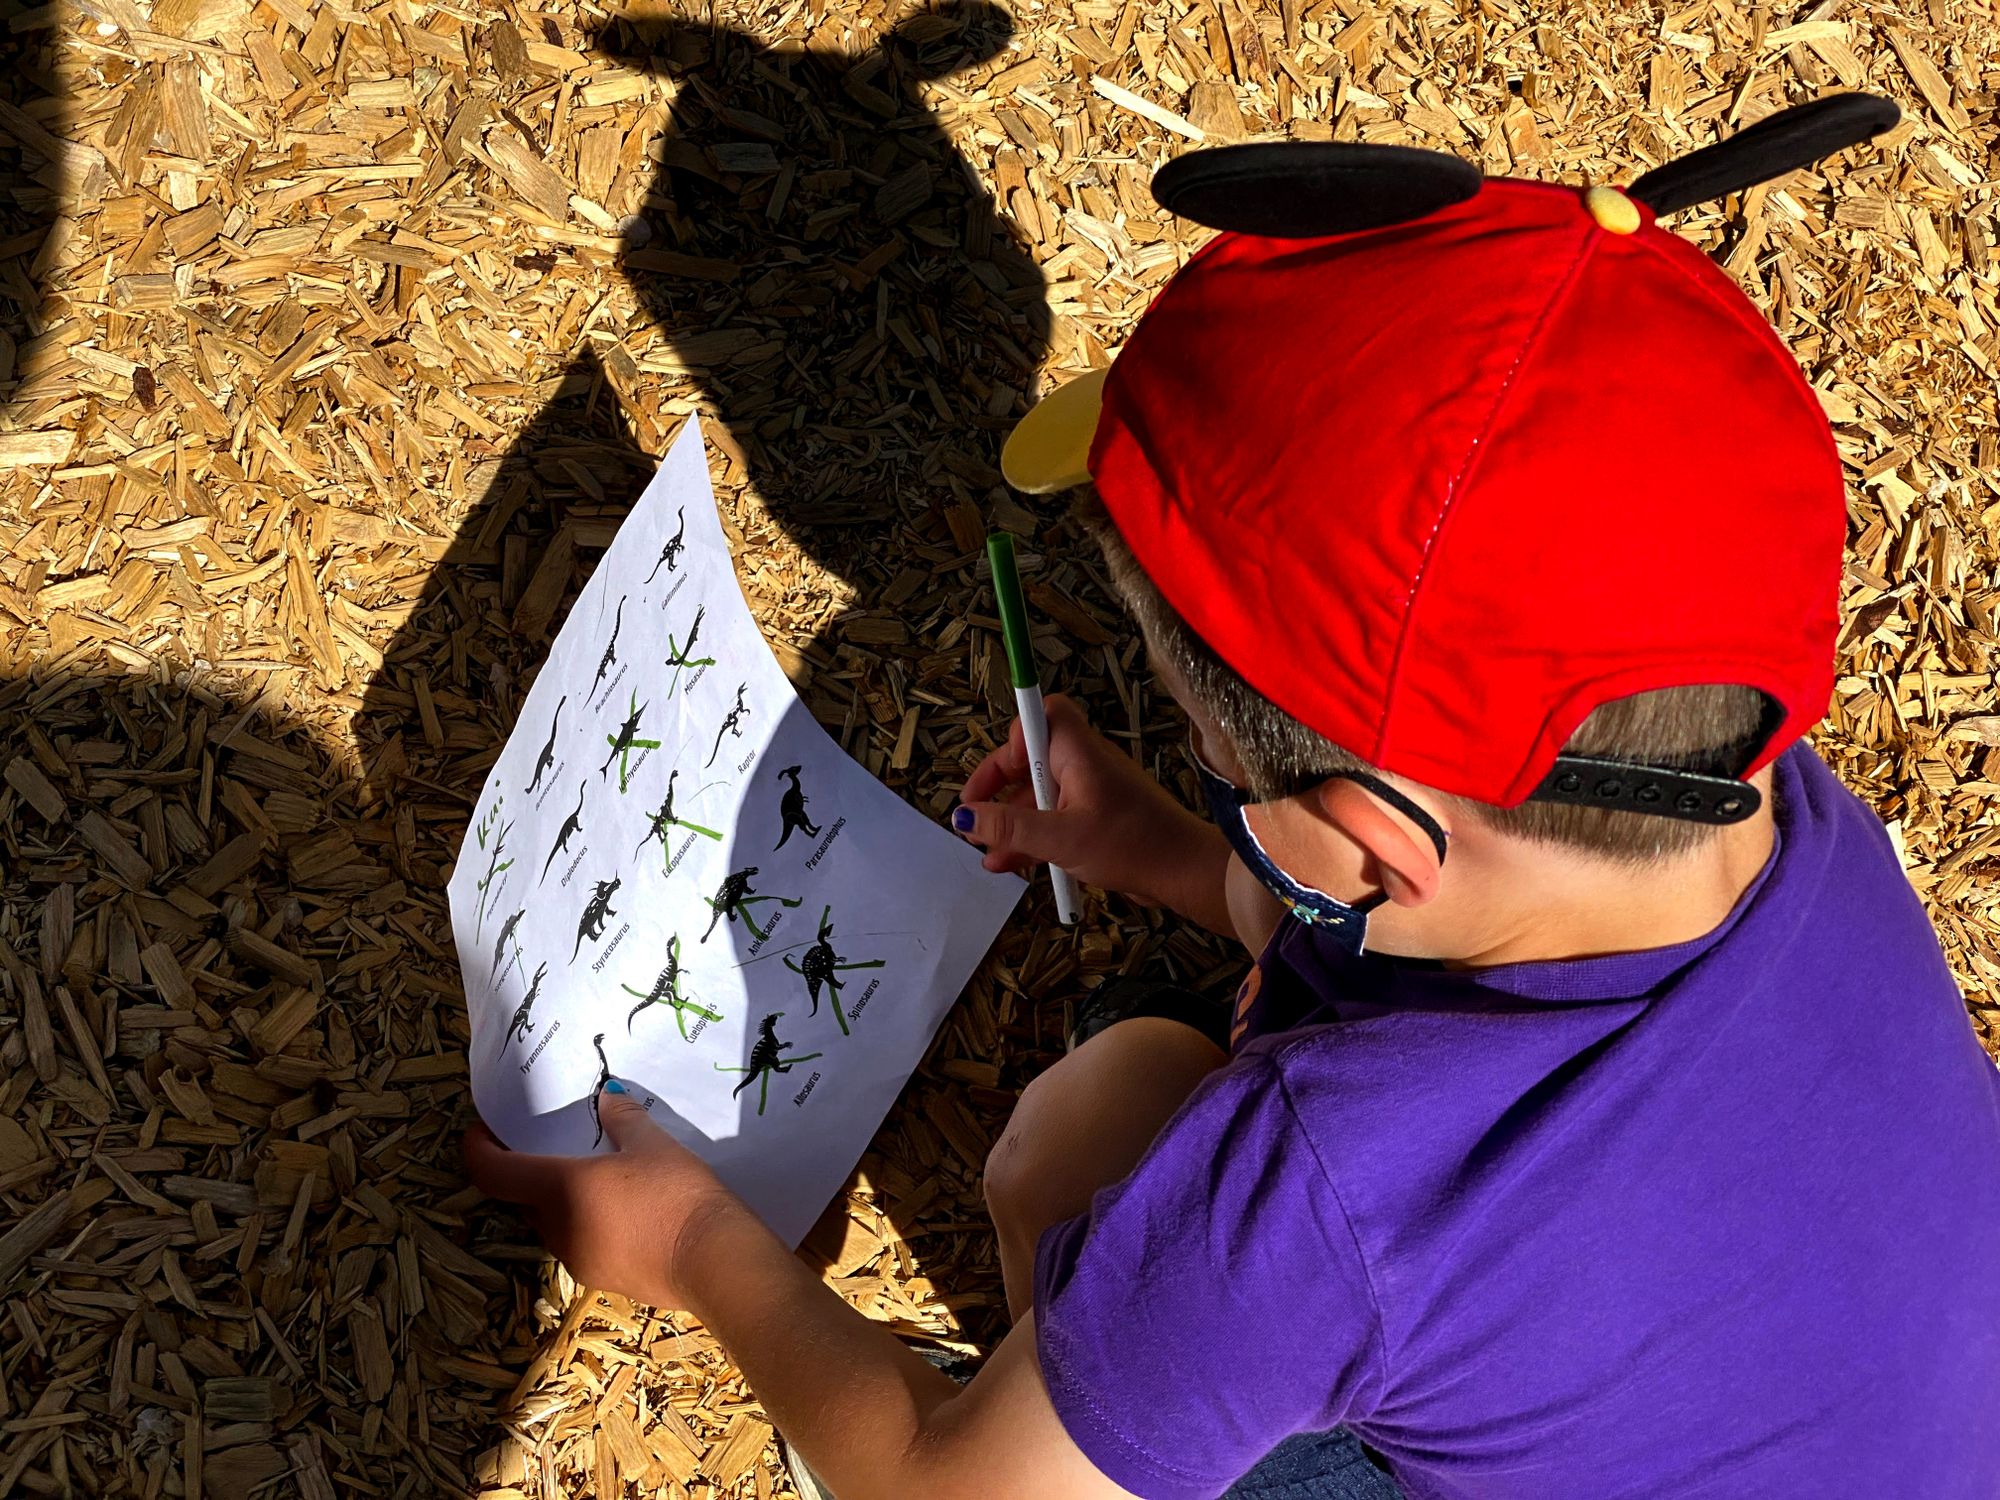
(1027, 697)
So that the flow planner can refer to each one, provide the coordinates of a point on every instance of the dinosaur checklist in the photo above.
(675, 878)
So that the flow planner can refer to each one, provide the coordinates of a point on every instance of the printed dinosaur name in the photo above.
(854, 1014)
(826, 843)
(800, 1097)
(611, 947)
(541, 1046)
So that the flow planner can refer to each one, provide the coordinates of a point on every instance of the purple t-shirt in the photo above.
(1711, 1220)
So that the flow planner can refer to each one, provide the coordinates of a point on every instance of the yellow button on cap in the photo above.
(1612, 209)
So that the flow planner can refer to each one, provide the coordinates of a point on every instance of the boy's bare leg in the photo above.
(1083, 1125)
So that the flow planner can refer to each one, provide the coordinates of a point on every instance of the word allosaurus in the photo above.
(767, 1056)
(731, 725)
(571, 826)
(520, 1026)
(666, 990)
(821, 965)
(670, 554)
(735, 897)
(594, 912)
(792, 810)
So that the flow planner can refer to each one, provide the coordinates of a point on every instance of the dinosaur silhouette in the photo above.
(660, 820)
(597, 1090)
(735, 897)
(767, 1056)
(519, 1026)
(626, 739)
(731, 725)
(670, 555)
(822, 965)
(571, 826)
(611, 646)
(666, 990)
(494, 870)
(792, 810)
(548, 756)
(591, 925)
(500, 944)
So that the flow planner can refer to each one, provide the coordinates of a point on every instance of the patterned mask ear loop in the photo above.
(1345, 922)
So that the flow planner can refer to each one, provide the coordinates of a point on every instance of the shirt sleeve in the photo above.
(1211, 1304)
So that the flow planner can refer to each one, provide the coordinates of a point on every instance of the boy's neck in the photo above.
(1532, 904)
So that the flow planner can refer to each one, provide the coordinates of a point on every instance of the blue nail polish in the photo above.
(962, 819)
(613, 1086)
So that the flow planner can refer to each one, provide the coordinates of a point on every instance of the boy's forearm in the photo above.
(845, 1392)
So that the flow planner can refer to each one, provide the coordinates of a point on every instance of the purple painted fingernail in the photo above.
(962, 819)
(613, 1086)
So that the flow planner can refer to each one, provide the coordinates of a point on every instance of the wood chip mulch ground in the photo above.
(334, 340)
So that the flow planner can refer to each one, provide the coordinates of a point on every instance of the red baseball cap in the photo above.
(1440, 464)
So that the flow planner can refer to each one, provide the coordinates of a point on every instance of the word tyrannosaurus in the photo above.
(520, 1026)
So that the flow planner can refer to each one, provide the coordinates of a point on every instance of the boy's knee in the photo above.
(1018, 1167)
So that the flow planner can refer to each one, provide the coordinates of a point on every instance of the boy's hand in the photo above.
(620, 1222)
(1113, 826)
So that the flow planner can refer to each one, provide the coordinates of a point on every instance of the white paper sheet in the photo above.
(574, 894)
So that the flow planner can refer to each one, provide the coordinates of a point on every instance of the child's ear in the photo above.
(957, 35)
(1406, 865)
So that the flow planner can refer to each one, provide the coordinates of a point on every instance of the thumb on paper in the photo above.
(625, 1118)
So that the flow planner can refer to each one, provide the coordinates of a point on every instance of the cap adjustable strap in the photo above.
(1690, 796)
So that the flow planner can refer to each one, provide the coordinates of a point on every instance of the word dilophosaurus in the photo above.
(571, 826)
(731, 725)
(594, 912)
(670, 554)
(821, 965)
(520, 1026)
(767, 1056)
(548, 756)
(792, 810)
(666, 990)
(735, 898)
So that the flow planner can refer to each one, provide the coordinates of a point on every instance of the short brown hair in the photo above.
(1686, 727)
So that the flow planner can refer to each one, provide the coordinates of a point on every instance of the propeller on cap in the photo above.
(1307, 190)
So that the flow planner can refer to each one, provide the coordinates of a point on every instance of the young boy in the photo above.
(1599, 1117)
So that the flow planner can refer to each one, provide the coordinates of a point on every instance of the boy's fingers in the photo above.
(1016, 830)
(510, 1176)
(626, 1121)
(1004, 765)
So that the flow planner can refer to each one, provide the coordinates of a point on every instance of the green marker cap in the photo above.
(1013, 608)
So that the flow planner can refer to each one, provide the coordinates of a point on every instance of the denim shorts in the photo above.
(1316, 1466)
